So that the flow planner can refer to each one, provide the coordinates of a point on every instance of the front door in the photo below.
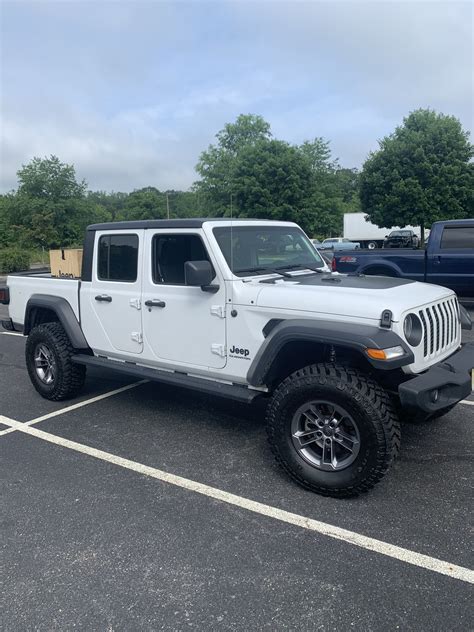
(181, 324)
(453, 265)
(111, 303)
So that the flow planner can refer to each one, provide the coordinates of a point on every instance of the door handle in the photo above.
(155, 303)
(104, 298)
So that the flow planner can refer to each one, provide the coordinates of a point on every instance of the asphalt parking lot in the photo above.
(112, 518)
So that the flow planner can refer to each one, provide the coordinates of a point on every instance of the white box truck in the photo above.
(356, 228)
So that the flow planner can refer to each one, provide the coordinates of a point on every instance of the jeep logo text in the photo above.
(237, 351)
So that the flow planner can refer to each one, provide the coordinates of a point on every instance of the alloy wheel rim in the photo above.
(325, 435)
(45, 364)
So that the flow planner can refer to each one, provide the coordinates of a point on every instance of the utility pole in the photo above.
(168, 205)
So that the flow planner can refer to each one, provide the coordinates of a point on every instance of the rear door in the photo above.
(453, 264)
(111, 303)
(182, 324)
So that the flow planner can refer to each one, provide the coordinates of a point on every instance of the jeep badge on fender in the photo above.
(243, 352)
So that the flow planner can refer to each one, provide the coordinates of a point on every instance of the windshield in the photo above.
(400, 233)
(263, 249)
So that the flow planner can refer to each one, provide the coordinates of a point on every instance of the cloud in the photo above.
(132, 92)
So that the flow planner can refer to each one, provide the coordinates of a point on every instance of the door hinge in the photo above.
(137, 336)
(218, 310)
(218, 349)
(136, 303)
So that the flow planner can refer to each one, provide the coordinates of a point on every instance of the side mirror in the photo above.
(200, 274)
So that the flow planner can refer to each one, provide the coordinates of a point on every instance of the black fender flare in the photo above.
(63, 311)
(348, 335)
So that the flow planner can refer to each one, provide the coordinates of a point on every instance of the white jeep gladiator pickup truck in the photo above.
(247, 309)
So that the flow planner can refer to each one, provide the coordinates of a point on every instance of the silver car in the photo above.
(339, 243)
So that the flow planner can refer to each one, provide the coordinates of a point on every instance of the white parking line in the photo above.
(331, 531)
(466, 401)
(68, 409)
(11, 333)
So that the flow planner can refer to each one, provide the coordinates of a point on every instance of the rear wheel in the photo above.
(372, 245)
(333, 429)
(48, 360)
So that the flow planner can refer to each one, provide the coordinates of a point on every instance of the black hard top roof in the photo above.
(192, 222)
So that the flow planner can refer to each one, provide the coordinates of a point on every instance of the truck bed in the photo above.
(23, 285)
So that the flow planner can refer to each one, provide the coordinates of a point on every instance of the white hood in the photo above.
(340, 295)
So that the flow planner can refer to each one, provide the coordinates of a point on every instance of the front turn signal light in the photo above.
(385, 354)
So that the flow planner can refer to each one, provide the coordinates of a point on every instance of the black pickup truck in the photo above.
(448, 259)
(401, 239)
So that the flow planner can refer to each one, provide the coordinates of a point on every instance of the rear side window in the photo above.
(118, 258)
(170, 253)
(458, 237)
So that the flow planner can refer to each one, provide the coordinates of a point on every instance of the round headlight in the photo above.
(413, 330)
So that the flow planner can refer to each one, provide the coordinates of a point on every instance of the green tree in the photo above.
(348, 182)
(333, 191)
(217, 164)
(319, 155)
(248, 129)
(145, 203)
(49, 208)
(421, 173)
(49, 179)
(184, 204)
(272, 180)
(108, 204)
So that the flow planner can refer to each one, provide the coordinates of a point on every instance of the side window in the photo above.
(118, 258)
(458, 237)
(170, 253)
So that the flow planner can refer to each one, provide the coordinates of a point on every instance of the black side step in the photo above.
(230, 391)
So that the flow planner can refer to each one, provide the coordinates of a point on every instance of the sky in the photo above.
(131, 92)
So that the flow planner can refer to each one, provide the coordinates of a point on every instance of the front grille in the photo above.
(440, 327)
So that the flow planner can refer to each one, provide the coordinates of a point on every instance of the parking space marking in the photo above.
(349, 537)
(68, 409)
(11, 333)
(466, 401)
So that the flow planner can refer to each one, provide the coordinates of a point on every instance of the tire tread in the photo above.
(366, 391)
(70, 376)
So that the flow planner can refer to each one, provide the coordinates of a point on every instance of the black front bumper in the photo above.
(443, 385)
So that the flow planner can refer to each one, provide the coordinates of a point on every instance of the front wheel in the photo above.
(48, 360)
(333, 429)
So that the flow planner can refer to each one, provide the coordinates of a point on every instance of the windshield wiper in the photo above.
(266, 270)
(301, 266)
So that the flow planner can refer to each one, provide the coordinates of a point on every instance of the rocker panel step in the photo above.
(230, 391)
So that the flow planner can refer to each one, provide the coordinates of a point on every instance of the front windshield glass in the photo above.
(400, 233)
(265, 249)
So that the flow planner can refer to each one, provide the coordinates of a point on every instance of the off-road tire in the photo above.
(69, 377)
(371, 409)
